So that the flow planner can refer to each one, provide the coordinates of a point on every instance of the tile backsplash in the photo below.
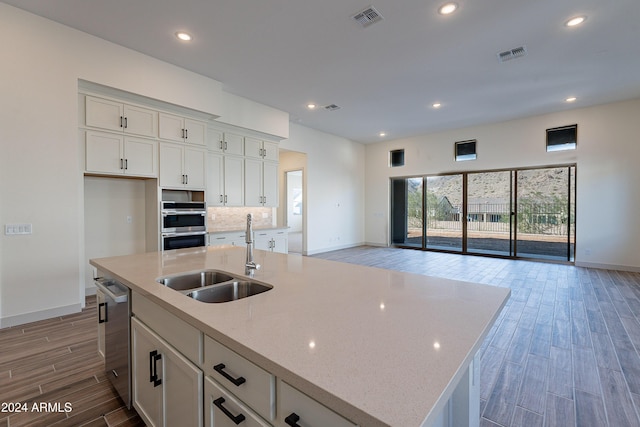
(224, 219)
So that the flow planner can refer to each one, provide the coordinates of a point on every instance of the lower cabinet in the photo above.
(222, 409)
(272, 240)
(167, 387)
(298, 409)
(102, 311)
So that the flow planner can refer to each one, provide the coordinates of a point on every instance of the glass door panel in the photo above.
(406, 211)
(489, 207)
(545, 217)
(443, 212)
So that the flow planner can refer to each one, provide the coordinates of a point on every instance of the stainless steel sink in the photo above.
(231, 291)
(195, 280)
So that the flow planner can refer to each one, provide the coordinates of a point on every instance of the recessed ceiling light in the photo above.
(571, 99)
(436, 105)
(382, 134)
(311, 106)
(575, 21)
(447, 8)
(185, 37)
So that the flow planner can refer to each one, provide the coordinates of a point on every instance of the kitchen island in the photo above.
(378, 347)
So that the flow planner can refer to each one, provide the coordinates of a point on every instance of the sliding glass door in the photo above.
(489, 207)
(444, 212)
(545, 213)
(518, 213)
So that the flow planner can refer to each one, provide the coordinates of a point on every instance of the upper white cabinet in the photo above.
(109, 153)
(120, 117)
(258, 149)
(181, 129)
(225, 142)
(182, 166)
(260, 183)
(225, 180)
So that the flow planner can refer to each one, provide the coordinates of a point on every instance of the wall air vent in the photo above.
(367, 17)
(508, 55)
(332, 107)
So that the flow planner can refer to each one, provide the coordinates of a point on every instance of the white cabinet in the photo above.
(272, 240)
(236, 238)
(222, 409)
(248, 382)
(111, 153)
(260, 183)
(225, 142)
(102, 312)
(119, 117)
(296, 408)
(258, 149)
(181, 129)
(167, 388)
(225, 180)
(182, 166)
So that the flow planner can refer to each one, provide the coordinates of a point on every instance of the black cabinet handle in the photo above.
(219, 368)
(126, 121)
(102, 305)
(121, 121)
(186, 134)
(292, 420)
(235, 418)
(126, 163)
(154, 356)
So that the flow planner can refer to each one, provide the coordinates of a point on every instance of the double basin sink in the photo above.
(213, 286)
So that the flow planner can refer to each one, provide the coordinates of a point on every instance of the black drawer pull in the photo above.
(292, 420)
(236, 419)
(100, 307)
(154, 356)
(219, 368)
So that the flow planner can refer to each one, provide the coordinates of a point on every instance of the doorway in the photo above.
(294, 209)
(515, 213)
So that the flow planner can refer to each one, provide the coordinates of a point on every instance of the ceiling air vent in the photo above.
(508, 55)
(332, 107)
(367, 17)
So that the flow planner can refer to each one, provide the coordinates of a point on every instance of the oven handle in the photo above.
(197, 233)
(167, 213)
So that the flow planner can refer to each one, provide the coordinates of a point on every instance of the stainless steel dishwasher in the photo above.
(115, 313)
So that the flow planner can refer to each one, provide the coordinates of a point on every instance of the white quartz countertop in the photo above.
(380, 347)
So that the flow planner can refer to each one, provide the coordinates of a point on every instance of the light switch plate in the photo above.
(17, 229)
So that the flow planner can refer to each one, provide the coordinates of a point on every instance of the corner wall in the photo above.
(334, 191)
(607, 196)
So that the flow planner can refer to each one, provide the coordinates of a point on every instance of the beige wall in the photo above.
(608, 200)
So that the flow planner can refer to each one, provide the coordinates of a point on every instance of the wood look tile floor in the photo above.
(563, 352)
(56, 362)
(565, 349)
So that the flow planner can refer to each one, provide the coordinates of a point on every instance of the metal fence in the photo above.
(533, 218)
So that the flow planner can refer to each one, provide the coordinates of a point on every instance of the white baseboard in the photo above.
(333, 248)
(21, 319)
(607, 266)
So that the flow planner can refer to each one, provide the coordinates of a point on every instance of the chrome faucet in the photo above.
(250, 266)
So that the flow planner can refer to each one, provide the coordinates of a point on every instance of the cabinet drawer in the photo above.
(250, 383)
(216, 398)
(184, 337)
(309, 413)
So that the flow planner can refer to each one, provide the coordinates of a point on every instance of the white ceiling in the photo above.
(287, 53)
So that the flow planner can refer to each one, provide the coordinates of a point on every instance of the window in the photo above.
(396, 158)
(465, 150)
(562, 138)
